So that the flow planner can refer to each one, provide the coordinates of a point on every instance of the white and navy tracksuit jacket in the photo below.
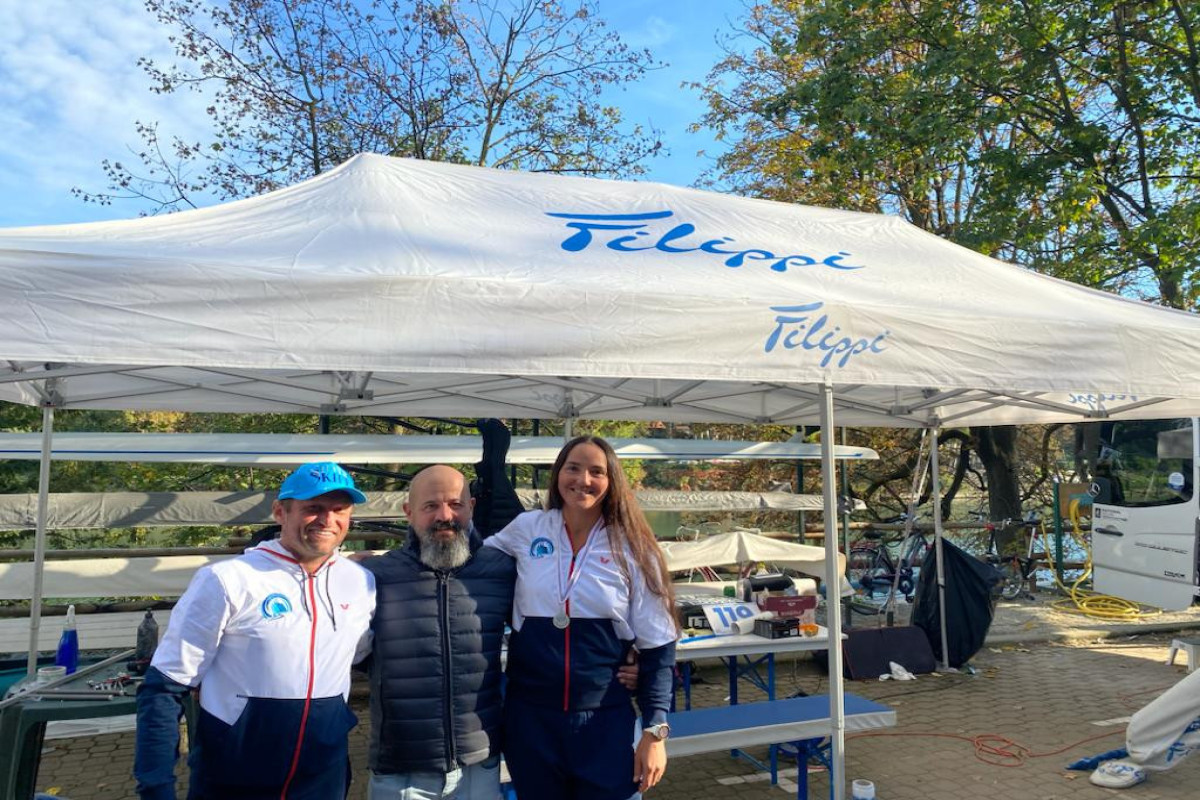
(574, 669)
(270, 648)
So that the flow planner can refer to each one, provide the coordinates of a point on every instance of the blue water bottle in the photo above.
(67, 654)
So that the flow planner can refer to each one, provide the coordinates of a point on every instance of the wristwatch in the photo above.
(660, 731)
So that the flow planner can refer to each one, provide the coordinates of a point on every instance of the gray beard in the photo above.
(444, 554)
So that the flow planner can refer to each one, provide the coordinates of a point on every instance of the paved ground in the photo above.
(1042, 698)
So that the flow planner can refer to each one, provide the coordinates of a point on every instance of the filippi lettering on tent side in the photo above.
(807, 327)
(633, 233)
(1096, 401)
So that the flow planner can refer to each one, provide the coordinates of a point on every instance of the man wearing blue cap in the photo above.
(268, 638)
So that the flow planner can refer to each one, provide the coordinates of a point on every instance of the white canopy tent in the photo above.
(401, 287)
(411, 288)
(742, 546)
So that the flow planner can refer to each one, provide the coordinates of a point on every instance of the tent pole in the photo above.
(846, 496)
(39, 542)
(801, 521)
(936, 490)
(833, 596)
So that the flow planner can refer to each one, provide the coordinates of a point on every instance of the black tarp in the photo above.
(970, 585)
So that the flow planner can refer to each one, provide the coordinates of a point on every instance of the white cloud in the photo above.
(70, 91)
(653, 32)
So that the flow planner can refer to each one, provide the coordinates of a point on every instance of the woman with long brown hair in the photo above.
(591, 583)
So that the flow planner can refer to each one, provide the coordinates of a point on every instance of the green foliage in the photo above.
(1062, 135)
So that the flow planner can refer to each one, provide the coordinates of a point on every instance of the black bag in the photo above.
(868, 653)
(970, 601)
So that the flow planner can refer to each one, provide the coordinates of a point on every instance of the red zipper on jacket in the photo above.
(312, 650)
(567, 642)
(312, 669)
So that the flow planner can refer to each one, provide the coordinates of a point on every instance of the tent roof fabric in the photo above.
(399, 287)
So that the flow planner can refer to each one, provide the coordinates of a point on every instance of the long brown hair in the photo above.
(626, 524)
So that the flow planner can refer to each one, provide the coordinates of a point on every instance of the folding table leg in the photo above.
(685, 682)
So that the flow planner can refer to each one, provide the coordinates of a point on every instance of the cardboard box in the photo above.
(802, 608)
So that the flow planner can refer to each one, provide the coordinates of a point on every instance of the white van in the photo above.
(1145, 517)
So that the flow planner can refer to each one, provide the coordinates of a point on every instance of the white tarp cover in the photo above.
(112, 630)
(165, 509)
(164, 576)
(286, 450)
(168, 576)
(399, 287)
(172, 509)
(740, 547)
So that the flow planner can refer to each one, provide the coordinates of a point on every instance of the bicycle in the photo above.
(1016, 568)
(872, 568)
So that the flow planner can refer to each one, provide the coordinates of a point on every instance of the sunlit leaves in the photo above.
(1063, 136)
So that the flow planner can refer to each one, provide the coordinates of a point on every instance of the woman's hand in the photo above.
(649, 761)
(627, 673)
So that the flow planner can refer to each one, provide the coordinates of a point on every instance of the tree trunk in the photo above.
(962, 463)
(997, 449)
(1087, 447)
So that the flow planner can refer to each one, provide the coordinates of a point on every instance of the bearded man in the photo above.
(441, 605)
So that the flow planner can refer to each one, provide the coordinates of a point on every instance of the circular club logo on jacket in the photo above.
(541, 547)
(275, 606)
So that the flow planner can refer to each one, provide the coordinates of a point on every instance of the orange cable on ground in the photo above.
(994, 749)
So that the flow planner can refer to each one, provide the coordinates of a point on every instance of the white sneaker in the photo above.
(1118, 775)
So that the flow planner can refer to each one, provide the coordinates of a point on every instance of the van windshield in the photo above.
(1146, 462)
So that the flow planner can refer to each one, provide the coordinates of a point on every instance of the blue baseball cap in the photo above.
(318, 478)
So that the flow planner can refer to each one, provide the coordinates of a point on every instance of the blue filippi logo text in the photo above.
(637, 235)
(541, 547)
(275, 606)
(804, 327)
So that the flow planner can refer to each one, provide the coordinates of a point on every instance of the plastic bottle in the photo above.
(67, 654)
(147, 638)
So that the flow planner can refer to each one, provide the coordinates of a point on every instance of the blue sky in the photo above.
(70, 91)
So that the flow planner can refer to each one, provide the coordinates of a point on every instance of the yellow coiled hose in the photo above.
(1085, 601)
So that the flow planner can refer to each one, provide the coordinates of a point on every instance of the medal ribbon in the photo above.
(577, 561)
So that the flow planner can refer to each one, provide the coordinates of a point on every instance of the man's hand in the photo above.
(627, 673)
(649, 761)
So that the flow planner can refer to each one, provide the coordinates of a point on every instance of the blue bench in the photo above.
(801, 722)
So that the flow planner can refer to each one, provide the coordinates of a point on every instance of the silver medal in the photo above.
(561, 620)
